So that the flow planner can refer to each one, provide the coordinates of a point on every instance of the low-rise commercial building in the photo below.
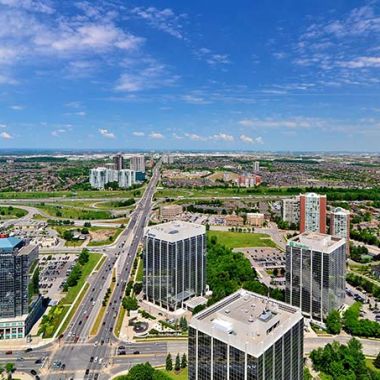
(170, 212)
(255, 219)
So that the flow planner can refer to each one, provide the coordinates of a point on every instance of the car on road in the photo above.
(29, 349)
(136, 352)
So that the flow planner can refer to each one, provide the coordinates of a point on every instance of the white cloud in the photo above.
(30, 5)
(58, 132)
(247, 123)
(250, 140)
(195, 137)
(195, 99)
(212, 58)
(156, 135)
(290, 123)
(3, 126)
(106, 133)
(246, 139)
(177, 137)
(223, 137)
(144, 75)
(138, 134)
(17, 107)
(4, 79)
(5, 136)
(361, 62)
(162, 19)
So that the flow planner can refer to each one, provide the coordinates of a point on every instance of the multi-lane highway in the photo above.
(79, 357)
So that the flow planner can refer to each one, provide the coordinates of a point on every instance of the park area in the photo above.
(242, 239)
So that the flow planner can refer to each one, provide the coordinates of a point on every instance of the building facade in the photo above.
(126, 178)
(170, 212)
(246, 336)
(99, 177)
(291, 210)
(255, 219)
(316, 273)
(340, 225)
(137, 163)
(248, 180)
(17, 311)
(174, 259)
(313, 213)
(118, 161)
(256, 166)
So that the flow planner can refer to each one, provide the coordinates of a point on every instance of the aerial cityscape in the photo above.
(189, 190)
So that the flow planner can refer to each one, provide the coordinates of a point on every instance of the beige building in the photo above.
(170, 212)
(255, 219)
(234, 220)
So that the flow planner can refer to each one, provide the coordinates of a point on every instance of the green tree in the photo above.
(141, 372)
(84, 256)
(169, 363)
(184, 361)
(334, 322)
(68, 235)
(177, 365)
(376, 362)
(9, 368)
(130, 303)
(306, 374)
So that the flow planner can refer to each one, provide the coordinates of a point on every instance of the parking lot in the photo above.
(54, 270)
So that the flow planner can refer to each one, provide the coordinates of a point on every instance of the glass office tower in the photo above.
(17, 312)
(246, 336)
(315, 273)
(174, 263)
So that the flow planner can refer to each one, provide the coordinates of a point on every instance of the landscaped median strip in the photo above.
(75, 304)
(99, 318)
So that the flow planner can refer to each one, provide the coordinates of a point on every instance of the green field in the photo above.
(10, 212)
(182, 375)
(73, 213)
(242, 239)
(71, 194)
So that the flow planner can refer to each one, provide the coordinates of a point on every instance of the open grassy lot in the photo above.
(10, 212)
(115, 233)
(67, 212)
(242, 239)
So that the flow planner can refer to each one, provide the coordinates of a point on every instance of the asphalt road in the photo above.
(90, 361)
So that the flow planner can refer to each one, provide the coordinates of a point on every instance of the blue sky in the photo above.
(216, 74)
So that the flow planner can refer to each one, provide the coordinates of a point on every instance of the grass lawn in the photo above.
(67, 212)
(72, 194)
(74, 309)
(10, 212)
(99, 318)
(119, 322)
(369, 364)
(107, 241)
(242, 239)
(140, 271)
(182, 375)
(86, 270)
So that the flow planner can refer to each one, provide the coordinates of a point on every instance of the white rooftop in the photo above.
(340, 211)
(318, 242)
(175, 231)
(248, 321)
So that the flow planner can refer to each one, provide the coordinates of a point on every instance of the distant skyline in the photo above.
(263, 75)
